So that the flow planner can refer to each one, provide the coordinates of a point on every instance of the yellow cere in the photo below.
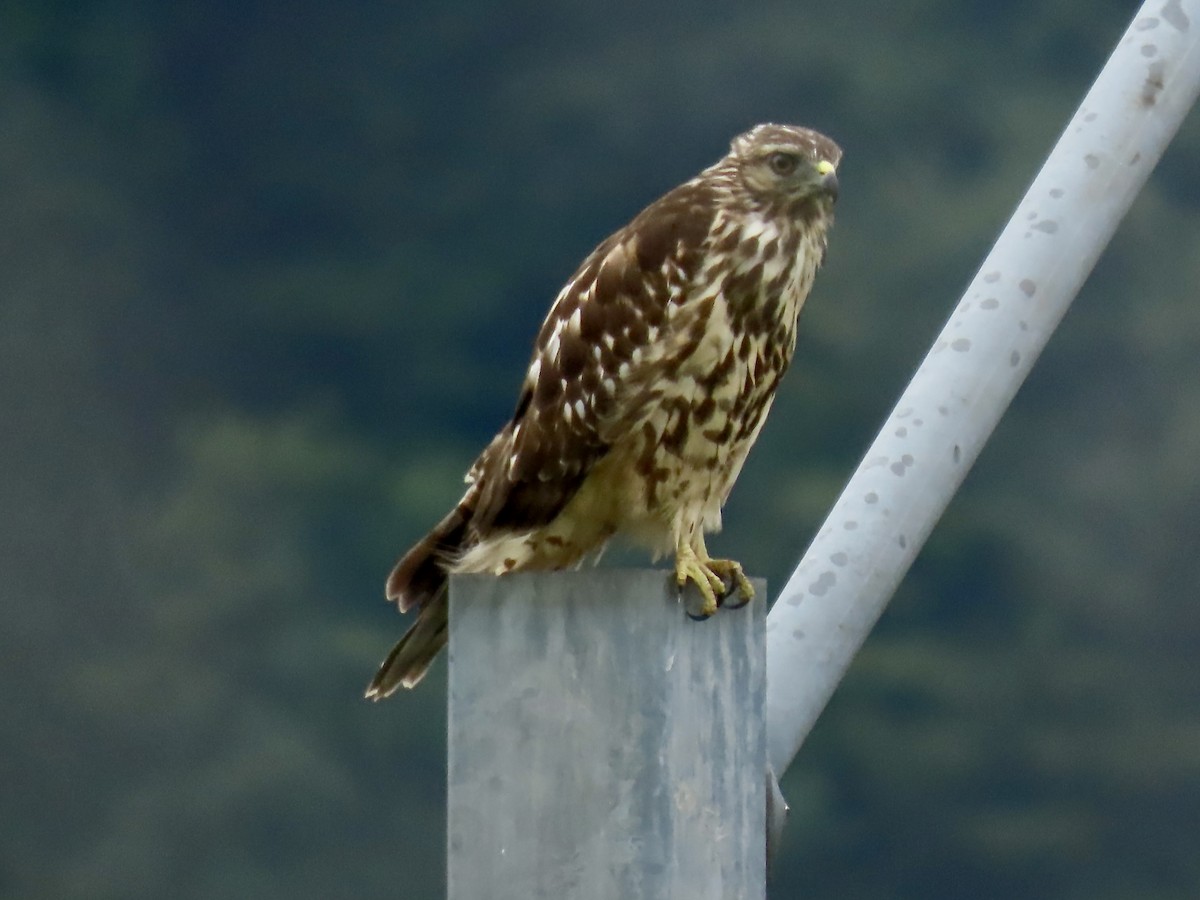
(824, 167)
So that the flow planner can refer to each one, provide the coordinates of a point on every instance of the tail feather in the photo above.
(419, 580)
(410, 659)
(421, 572)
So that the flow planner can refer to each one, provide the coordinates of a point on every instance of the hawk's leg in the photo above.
(692, 563)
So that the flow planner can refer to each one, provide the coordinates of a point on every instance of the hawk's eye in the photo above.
(783, 164)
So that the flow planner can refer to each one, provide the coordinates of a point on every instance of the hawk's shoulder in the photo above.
(599, 329)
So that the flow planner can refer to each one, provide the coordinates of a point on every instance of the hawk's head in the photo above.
(787, 167)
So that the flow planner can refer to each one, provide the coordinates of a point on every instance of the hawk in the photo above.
(651, 378)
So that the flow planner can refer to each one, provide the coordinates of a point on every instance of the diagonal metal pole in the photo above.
(971, 373)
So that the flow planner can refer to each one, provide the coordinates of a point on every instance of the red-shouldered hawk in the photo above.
(650, 380)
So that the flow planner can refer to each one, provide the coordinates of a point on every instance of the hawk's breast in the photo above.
(733, 340)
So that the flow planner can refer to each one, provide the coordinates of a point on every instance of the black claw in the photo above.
(741, 601)
(689, 600)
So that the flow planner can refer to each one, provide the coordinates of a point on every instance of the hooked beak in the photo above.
(829, 180)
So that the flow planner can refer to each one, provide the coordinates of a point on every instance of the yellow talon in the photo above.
(728, 568)
(709, 577)
(690, 567)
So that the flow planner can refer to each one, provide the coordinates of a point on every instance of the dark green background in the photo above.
(269, 273)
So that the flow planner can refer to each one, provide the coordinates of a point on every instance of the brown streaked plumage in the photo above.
(650, 380)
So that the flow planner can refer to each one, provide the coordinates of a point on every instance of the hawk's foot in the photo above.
(730, 571)
(693, 568)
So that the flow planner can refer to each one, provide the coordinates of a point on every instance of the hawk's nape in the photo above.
(649, 382)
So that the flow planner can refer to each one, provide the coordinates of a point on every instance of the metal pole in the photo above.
(966, 381)
(601, 743)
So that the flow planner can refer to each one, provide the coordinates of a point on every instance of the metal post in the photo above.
(602, 744)
(976, 365)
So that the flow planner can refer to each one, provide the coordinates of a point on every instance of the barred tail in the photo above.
(419, 580)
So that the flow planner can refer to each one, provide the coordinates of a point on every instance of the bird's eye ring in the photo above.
(783, 163)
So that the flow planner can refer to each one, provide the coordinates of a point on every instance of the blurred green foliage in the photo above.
(268, 278)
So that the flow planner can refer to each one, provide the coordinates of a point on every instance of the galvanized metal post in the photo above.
(603, 745)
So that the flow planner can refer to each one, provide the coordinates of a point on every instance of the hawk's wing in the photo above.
(588, 367)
